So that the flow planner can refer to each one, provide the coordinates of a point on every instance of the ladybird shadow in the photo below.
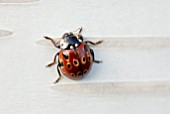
(115, 88)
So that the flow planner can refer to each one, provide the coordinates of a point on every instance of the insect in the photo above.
(75, 57)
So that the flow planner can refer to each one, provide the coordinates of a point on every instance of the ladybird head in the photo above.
(69, 41)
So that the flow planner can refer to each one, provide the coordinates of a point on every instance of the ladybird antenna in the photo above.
(79, 30)
(54, 43)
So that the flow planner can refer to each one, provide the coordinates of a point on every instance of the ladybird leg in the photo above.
(54, 43)
(58, 74)
(92, 53)
(54, 61)
(94, 43)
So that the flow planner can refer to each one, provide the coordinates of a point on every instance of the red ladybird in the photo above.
(75, 58)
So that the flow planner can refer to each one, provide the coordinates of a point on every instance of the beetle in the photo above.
(75, 57)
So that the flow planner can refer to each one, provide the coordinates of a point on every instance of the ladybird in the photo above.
(75, 57)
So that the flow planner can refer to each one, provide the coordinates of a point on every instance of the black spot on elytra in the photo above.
(89, 58)
(68, 66)
(79, 74)
(72, 75)
(75, 62)
(61, 64)
(85, 71)
(65, 56)
(85, 48)
(84, 59)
